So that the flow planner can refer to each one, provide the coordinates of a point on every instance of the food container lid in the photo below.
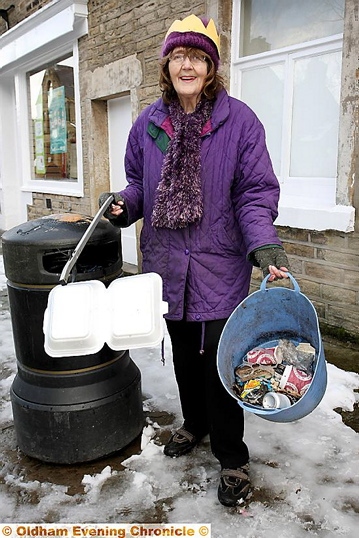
(82, 316)
(136, 312)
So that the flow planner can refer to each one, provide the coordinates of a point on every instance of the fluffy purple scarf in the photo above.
(178, 200)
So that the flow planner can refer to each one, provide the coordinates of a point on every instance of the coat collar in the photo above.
(159, 114)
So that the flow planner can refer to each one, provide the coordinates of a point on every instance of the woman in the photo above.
(200, 176)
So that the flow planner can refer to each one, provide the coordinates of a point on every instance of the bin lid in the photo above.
(82, 316)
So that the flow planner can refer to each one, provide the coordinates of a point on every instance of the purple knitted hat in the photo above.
(191, 32)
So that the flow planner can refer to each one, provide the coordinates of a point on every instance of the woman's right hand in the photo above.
(117, 206)
(116, 209)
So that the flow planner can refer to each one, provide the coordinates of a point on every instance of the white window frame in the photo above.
(46, 36)
(313, 204)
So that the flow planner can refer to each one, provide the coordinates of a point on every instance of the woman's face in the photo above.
(188, 69)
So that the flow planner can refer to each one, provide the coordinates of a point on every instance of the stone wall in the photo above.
(50, 204)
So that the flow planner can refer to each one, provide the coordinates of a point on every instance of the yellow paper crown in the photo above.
(192, 23)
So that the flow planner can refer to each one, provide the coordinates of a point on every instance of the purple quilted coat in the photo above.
(205, 267)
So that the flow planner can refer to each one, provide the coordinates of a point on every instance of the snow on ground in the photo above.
(305, 473)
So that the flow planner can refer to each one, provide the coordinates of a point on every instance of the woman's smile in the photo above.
(187, 79)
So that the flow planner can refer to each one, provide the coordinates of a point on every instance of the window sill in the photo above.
(334, 217)
(64, 188)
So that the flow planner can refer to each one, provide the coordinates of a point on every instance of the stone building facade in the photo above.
(118, 56)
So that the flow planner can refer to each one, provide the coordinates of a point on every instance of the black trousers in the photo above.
(206, 405)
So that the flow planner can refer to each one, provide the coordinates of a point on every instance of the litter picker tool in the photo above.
(83, 241)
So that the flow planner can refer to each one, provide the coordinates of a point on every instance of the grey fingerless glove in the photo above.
(117, 221)
(271, 255)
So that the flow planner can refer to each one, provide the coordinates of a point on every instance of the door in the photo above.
(119, 124)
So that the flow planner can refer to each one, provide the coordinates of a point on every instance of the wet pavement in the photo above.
(71, 476)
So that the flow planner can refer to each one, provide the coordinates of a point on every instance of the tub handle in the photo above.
(291, 277)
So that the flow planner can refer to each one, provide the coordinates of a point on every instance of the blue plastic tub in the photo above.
(261, 320)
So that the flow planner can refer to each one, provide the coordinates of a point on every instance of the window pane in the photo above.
(315, 116)
(53, 122)
(272, 24)
(262, 90)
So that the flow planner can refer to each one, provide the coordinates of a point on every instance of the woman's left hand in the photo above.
(276, 273)
(273, 261)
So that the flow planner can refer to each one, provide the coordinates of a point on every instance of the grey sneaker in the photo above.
(234, 485)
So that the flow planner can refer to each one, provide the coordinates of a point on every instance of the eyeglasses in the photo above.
(195, 59)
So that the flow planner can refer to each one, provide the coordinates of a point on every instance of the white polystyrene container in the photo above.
(81, 317)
